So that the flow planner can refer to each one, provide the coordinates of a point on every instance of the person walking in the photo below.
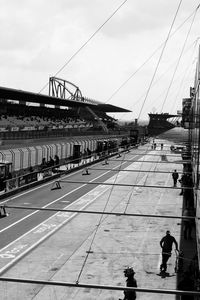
(166, 245)
(182, 181)
(130, 282)
(175, 177)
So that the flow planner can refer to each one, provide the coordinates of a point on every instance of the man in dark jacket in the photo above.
(130, 282)
(166, 245)
(175, 177)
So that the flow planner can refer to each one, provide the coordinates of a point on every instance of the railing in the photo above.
(37, 134)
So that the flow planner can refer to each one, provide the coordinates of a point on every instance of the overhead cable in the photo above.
(159, 60)
(184, 75)
(87, 41)
(149, 58)
(142, 171)
(98, 225)
(98, 286)
(96, 212)
(125, 184)
(176, 67)
(179, 162)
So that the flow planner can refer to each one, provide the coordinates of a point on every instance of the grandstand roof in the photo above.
(14, 94)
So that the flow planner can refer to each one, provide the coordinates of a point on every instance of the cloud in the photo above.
(39, 36)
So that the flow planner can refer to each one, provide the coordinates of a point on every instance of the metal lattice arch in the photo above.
(67, 90)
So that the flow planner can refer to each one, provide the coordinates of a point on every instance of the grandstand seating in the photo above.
(21, 117)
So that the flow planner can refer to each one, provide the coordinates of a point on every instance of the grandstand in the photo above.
(28, 115)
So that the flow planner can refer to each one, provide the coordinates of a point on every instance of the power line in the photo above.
(136, 180)
(180, 162)
(98, 286)
(159, 60)
(185, 74)
(96, 212)
(167, 70)
(98, 225)
(125, 185)
(176, 67)
(149, 58)
(87, 41)
(134, 171)
(158, 79)
(152, 154)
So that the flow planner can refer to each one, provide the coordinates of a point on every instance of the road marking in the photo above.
(48, 183)
(36, 211)
(46, 229)
(54, 201)
(65, 201)
(11, 253)
(16, 253)
(34, 189)
(81, 200)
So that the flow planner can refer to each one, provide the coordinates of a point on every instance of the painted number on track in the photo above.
(12, 253)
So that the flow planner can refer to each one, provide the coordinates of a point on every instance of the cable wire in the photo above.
(149, 58)
(99, 223)
(87, 41)
(136, 180)
(187, 71)
(176, 67)
(98, 286)
(159, 60)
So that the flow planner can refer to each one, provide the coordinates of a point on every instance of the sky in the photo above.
(38, 37)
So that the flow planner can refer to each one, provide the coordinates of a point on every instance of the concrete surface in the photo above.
(114, 241)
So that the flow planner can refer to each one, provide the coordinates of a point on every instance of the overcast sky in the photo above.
(38, 37)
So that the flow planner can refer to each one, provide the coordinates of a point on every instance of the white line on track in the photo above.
(48, 183)
(45, 206)
(20, 255)
(73, 214)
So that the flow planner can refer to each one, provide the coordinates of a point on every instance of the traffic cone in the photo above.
(56, 186)
(106, 162)
(3, 213)
(86, 172)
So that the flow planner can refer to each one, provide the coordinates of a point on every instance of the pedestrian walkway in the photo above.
(95, 249)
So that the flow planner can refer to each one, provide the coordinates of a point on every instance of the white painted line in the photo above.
(54, 201)
(17, 252)
(48, 183)
(34, 189)
(44, 227)
(36, 211)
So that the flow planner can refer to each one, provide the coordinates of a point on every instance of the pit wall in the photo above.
(23, 158)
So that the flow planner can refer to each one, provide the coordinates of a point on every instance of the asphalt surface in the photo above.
(91, 248)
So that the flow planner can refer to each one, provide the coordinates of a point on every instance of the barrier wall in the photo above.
(16, 183)
(25, 157)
